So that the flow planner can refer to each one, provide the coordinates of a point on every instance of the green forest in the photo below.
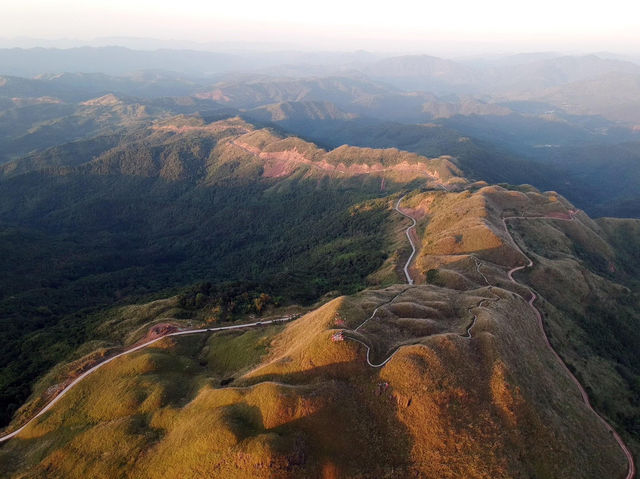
(76, 243)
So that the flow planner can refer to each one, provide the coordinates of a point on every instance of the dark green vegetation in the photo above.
(567, 125)
(32, 124)
(156, 214)
(584, 274)
(290, 402)
(121, 209)
(601, 178)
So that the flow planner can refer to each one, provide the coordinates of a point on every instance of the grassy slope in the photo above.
(592, 299)
(581, 273)
(168, 207)
(299, 404)
(311, 407)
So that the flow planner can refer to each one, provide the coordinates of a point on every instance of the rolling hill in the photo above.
(180, 202)
(466, 386)
(374, 267)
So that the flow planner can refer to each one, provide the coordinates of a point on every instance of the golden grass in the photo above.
(494, 406)
(452, 408)
(305, 344)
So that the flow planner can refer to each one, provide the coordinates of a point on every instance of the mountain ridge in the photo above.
(302, 380)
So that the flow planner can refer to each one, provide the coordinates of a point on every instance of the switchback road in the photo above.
(631, 469)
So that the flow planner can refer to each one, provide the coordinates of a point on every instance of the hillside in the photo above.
(299, 111)
(253, 93)
(181, 202)
(515, 74)
(347, 266)
(613, 96)
(535, 76)
(595, 170)
(584, 273)
(340, 98)
(466, 386)
(425, 73)
(515, 134)
(112, 60)
(180, 147)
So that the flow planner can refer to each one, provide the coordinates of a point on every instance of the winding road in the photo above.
(479, 305)
(374, 365)
(71, 385)
(467, 334)
(631, 470)
(408, 233)
(585, 397)
(409, 281)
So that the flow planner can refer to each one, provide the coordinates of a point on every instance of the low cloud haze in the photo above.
(448, 29)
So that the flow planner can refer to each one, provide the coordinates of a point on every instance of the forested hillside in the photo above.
(172, 206)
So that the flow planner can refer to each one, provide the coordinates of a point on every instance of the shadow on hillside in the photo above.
(352, 427)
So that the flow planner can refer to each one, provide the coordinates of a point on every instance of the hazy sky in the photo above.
(339, 24)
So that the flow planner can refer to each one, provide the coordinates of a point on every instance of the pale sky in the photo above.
(337, 24)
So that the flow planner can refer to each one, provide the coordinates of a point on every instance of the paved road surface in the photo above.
(585, 397)
(408, 233)
(129, 351)
(631, 470)
(409, 280)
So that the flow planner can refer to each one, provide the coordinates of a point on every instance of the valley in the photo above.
(380, 266)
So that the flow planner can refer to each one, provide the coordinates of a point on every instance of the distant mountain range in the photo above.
(512, 139)
(406, 248)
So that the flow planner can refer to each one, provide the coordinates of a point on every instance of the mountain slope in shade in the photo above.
(299, 111)
(340, 98)
(255, 93)
(511, 352)
(425, 73)
(519, 74)
(29, 124)
(556, 72)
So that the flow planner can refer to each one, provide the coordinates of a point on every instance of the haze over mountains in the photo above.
(540, 109)
(149, 192)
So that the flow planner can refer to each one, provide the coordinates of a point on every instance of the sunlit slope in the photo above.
(457, 226)
(584, 273)
(181, 201)
(470, 390)
(190, 148)
(492, 406)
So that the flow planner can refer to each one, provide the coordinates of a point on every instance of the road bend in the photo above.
(410, 281)
(631, 469)
(408, 233)
(88, 372)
